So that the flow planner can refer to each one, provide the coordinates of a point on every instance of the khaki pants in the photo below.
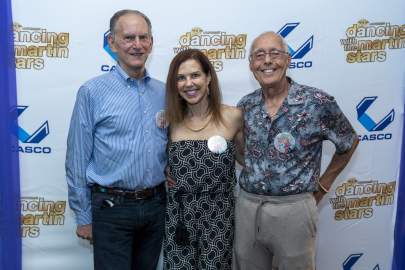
(279, 227)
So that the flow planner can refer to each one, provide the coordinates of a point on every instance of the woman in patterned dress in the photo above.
(205, 136)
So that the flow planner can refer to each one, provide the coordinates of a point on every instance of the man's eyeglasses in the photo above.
(260, 55)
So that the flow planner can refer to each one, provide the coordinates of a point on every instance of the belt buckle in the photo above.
(143, 194)
(118, 192)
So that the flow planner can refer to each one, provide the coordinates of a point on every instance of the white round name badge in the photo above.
(284, 142)
(217, 144)
(160, 118)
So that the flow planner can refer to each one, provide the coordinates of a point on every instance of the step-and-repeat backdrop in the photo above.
(354, 50)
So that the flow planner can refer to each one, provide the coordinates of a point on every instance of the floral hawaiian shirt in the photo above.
(283, 155)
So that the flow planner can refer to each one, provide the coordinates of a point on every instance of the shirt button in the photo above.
(128, 86)
(144, 112)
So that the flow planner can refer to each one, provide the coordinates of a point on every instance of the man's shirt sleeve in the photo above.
(336, 127)
(78, 153)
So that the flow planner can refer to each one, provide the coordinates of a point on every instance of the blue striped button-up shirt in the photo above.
(115, 138)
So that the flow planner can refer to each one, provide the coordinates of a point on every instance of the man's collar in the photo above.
(126, 77)
(295, 95)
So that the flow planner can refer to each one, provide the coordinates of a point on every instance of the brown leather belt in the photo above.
(142, 194)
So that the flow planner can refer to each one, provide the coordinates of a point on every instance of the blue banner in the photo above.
(10, 235)
(398, 262)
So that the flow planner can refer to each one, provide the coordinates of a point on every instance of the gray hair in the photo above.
(284, 43)
(120, 13)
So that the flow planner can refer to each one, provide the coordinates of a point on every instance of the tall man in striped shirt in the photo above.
(116, 153)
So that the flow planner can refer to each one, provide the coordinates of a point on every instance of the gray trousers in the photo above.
(275, 231)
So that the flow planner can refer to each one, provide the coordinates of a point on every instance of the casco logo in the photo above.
(301, 51)
(35, 137)
(32, 138)
(304, 49)
(352, 259)
(369, 123)
(107, 48)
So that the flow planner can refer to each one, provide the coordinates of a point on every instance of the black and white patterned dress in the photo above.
(203, 200)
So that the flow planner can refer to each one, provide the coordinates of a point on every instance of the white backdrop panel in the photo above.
(49, 87)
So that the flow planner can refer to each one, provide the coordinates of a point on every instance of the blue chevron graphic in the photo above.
(37, 136)
(304, 48)
(367, 121)
(352, 259)
(107, 47)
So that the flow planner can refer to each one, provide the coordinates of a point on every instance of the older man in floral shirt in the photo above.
(285, 125)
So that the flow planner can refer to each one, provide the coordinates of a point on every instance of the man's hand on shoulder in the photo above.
(85, 232)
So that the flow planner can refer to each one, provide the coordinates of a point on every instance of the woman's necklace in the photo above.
(198, 129)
